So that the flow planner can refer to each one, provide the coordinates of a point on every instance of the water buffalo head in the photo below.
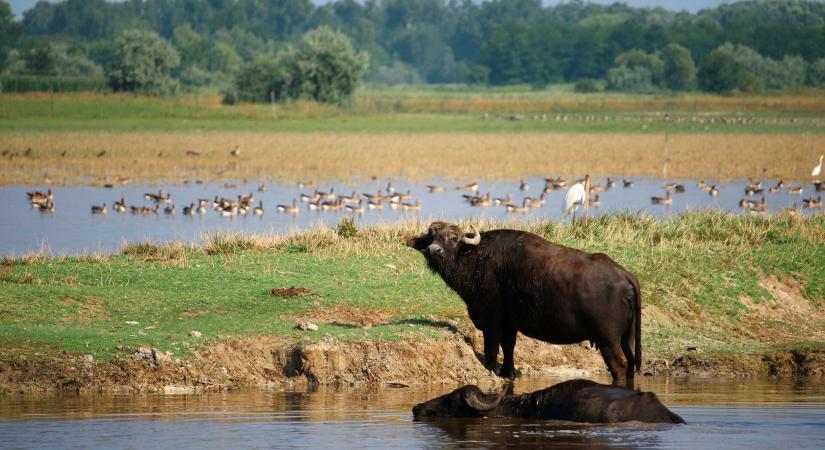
(466, 401)
(441, 241)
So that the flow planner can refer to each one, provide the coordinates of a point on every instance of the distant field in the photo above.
(420, 134)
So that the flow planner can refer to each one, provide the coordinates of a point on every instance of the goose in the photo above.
(610, 184)
(818, 169)
(169, 209)
(228, 185)
(135, 209)
(314, 205)
(524, 208)
(819, 186)
(120, 206)
(236, 151)
(627, 183)
(812, 202)
(378, 196)
(189, 210)
(259, 210)
(760, 206)
(781, 184)
(714, 191)
(670, 186)
(46, 207)
(472, 187)
(331, 205)
(306, 198)
(243, 209)
(245, 200)
(99, 209)
(535, 202)
(350, 199)
(40, 197)
(666, 200)
(261, 188)
(595, 188)
(792, 210)
(411, 206)
(750, 191)
(375, 204)
(483, 201)
(754, 184)
(152, 196)
(327, 195)
(308, 184)
(557, 182)
(290, 209)
(390, 187)
(680, 188)
(504, 201)
(795, 190)
(746, 204)
(406, 197)
(434, 188)
(523, 186)
(702, 185)
(229, 210)
(356, 209)
(595, 201)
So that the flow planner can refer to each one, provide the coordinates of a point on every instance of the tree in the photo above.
(9, 32)
(816, 73)
(721, 73)
(144, 62)
(322, 67)
(636, 71)
(680, 71)
(55, 60)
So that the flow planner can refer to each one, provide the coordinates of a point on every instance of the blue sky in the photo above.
(18, 6)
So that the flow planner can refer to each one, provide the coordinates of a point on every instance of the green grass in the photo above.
(695, 267)
(417, 110)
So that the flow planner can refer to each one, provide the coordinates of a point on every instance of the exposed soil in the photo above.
(290, 292)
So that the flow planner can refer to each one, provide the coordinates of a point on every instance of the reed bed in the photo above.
(97, 158)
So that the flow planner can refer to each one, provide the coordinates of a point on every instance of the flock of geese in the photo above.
(389, 197)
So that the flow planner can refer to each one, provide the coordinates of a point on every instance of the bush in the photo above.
(323, 67)
(347, 228)
(33, 83)
(588, 85)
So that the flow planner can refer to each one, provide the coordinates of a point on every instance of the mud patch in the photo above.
(290, 292)
(785, 317)
(194, 313)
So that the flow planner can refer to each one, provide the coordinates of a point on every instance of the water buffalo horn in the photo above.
(474, 240)
(473, 401)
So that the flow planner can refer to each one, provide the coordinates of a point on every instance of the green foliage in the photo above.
(636, 71)
(54, 60)
(9, 32)
(588, 85)
(346, 227)
(721, 73)
(816, 73)
(144, 63)
(323, 67)
(679, 68)
(33, 83)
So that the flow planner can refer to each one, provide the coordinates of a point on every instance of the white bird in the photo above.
(573, 199)
(817, 169)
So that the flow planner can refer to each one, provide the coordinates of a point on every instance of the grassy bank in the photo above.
(710, 280)
(420, 110)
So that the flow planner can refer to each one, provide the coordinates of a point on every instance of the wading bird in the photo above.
(573, 198)
(818, 169)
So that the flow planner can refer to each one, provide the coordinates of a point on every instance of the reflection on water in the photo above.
(750, 413)
(72, 229)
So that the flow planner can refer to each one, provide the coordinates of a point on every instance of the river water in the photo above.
(73, 229)
(754, 413)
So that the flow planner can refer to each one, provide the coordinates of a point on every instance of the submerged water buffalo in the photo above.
(516, 281)
(575, 401)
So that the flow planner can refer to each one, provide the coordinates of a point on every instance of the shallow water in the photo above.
(72, 229)
(728, 413)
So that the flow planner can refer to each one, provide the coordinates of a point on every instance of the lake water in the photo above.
(748, 414)
(73, 229)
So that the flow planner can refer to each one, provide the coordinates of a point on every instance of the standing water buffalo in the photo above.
(516, 281)
(575, 400)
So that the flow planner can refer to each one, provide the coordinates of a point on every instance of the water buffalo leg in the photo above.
(491, 341)
(508, 344)
(627, 346)
(615, 360)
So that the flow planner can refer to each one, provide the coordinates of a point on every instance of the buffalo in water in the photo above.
(575, 401)
(515, 281)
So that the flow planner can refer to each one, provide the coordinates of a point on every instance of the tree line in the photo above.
(748, 45)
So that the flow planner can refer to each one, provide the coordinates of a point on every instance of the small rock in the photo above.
(307, 326)
(195, 334)
(391, 266)
(119, 347)
(88, 358)
(132, 322)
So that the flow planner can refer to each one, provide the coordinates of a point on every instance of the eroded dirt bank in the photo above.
(251, 362)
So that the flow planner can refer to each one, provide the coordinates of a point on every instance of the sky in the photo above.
(18, 6)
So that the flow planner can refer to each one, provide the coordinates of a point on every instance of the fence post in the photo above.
(272, 102)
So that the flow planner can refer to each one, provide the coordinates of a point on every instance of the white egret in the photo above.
(817, 169)
(573, 198)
